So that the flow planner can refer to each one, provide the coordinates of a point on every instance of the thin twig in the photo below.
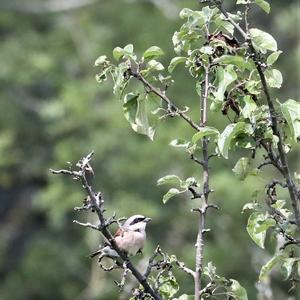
(96, 201)
(161, 95)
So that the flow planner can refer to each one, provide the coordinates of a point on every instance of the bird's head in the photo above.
(136, 223)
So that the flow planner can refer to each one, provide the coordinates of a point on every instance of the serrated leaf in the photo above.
(238, 292)
(274, 78)
(291, 112)
(170, 179)
(205, 131)
(272, 58)
(180, 143)
(153, 52)
(225, 76)
(266, 268)
(264, 5)
(228, 135)
(242, 168)
(175, 61)
(262, 41)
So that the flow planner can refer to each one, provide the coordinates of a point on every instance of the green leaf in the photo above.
(153, 52)
(205, 131)
(119, 80)
(262, 41)
(266, 268)
(118, 52)
(264, 5)
(169, 179)
(128, 49)
(254, 223)
(249, 108)
(185, 13)
(210, 270)
(168, 286)
(237, 290)
(171, 193)
(228, 135)
(242, 168)
(251, 206)
(207, 50)
(175, 61)
(223, 79)
(287, 266)
(191, 181)
(265, 225)
(279, 204)
(101, 60)
(180, 143)
(272, 58)
(291, 112)
(274, 78)
(154, 65)
(135, 112)
(238, 61)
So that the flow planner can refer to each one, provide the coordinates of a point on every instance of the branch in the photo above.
(206, 190)
(294, 191)
(96, 202)
(171, 106)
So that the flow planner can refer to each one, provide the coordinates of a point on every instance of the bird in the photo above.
(130, 237)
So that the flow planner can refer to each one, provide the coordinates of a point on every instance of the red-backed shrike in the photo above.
(130, 237)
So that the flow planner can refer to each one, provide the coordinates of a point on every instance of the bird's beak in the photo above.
(147, 220)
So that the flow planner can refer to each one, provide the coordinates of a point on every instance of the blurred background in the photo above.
(53, 111)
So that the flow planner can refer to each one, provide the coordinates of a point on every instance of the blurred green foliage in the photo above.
(53, 111)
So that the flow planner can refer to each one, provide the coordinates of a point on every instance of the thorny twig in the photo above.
(95, 201)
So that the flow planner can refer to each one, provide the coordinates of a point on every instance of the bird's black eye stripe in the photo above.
(137, 220)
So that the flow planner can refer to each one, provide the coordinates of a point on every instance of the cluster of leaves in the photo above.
(206, 42)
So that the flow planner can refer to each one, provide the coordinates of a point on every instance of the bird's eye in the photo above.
(137, 220)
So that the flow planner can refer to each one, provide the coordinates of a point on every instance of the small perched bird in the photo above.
(130, 237)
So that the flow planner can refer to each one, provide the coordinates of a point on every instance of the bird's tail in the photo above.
(93, 254)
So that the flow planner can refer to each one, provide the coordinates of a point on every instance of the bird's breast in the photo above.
(131, 241)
